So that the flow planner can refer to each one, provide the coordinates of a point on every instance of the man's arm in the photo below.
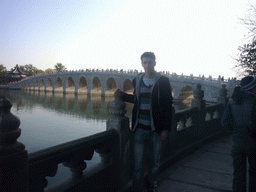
(167, 104)
(128, 97)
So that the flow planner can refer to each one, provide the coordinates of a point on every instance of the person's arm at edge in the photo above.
(128, 97)
(168, 100)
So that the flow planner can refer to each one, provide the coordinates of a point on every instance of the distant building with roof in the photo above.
(15, 75)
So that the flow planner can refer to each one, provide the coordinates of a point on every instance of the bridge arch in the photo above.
(127, 86)
(110, 86)
(58, 85)
(186, 95)
(96, 85)
(82, 85)
(41, 85)
(70, 85)
(49, 85)
(36, 85)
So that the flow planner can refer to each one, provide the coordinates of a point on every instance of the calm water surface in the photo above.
(49, 119)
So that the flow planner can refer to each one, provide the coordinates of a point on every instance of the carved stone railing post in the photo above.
(13, 156)
(199, 103)
(198, 98)
(120, 122)
(223, 95)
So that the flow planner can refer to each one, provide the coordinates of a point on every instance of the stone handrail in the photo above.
(135, 72)
(72, 155)
(183, 116)
(191, 130)
(196, 126)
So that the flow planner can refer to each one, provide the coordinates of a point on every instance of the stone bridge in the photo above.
(105, 82)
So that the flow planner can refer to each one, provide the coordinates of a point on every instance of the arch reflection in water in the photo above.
(82, 106)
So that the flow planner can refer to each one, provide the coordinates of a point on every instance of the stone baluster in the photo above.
(120, 122)
(13, 156)
(223, 95)
(182, 123)
(198, 98)
(76, 166)
(104, 154)
(38, 173)
(199, 103)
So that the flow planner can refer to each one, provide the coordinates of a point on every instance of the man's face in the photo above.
(148, 64)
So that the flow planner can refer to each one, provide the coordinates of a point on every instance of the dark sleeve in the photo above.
(227, 119)
(166, 103)
(128, 98)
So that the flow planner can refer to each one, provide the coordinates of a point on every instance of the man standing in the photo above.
(151, 119)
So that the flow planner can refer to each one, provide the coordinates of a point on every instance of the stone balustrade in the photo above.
(96, 82)
(73, 155)
(135, 71)
(194, 127)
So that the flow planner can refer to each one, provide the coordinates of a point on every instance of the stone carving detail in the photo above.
(198, 98)
(198, 93)
(13, 156)
(76, 166)
(223, 95)
(9, 129)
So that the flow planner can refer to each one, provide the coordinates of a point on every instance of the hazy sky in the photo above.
(187, 36)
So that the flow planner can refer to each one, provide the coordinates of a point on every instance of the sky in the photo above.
(198, 37)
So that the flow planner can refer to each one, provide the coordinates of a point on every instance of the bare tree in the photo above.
(250, 21)
(246, 61)
(246, 58)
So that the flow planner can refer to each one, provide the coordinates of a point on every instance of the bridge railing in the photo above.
(20, 171)
(73, 155)
(135, 72)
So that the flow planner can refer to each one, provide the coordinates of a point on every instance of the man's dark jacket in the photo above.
(161, 103)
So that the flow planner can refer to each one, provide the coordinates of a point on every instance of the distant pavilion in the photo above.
(16, 74)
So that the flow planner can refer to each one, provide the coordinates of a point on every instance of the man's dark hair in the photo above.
(149, 54)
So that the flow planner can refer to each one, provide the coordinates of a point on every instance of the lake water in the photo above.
(49, 119)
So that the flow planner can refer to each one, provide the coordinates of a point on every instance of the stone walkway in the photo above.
(207, 170)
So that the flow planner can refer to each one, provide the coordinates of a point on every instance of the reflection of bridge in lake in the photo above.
(82, 106)
(105, 83)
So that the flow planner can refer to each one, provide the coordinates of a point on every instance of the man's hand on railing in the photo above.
(119, 91)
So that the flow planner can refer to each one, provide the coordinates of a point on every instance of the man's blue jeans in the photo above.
(146, 141)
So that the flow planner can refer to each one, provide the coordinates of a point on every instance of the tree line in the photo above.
(31, 70)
